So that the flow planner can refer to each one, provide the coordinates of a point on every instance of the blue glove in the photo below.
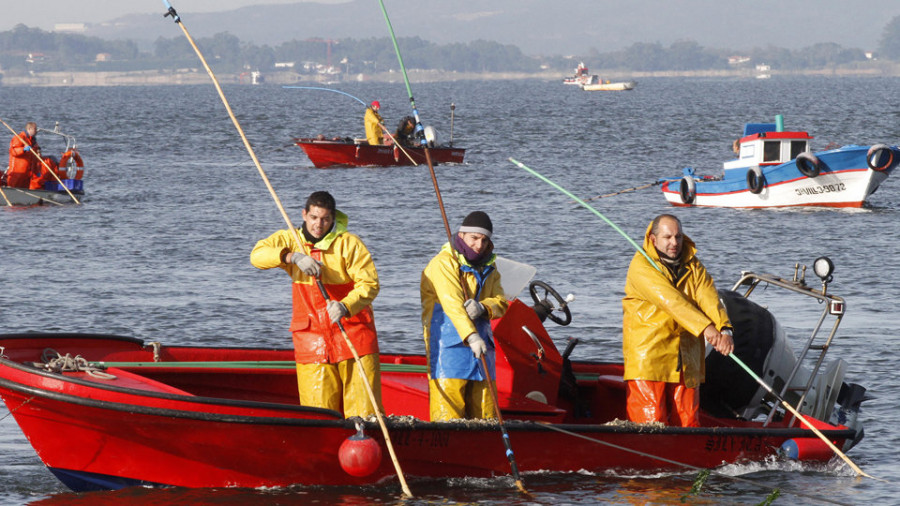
(27, 148)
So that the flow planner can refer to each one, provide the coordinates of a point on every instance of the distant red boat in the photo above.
(107, 412)
(346, 152)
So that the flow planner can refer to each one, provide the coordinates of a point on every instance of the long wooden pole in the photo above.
(372, 399)
(730, 355)
(51, 171)
(509, 453)
(287, 219)
(8, 203)
(802, 418)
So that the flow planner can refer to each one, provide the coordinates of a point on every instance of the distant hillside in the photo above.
(538, 27)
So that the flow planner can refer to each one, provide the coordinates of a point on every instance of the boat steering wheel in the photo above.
(549, 301)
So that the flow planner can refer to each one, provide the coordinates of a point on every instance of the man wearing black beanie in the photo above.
(461, 294)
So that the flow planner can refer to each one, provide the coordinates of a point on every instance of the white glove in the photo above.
(476, 343)
(307, 264)
(336, 311)
(474, 308)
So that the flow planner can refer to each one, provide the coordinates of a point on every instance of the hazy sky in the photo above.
(46, 13)
(536, 26)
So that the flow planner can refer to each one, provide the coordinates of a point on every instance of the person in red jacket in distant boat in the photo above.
(21, 161)
(40, 173)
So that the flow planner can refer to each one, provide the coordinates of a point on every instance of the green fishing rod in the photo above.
(412, 101)
(510, 457)
(734, 357)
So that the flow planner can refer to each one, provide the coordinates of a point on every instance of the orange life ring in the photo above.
(75, 158)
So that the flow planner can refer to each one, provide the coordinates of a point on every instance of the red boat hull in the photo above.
(340, 153)
(228, 417)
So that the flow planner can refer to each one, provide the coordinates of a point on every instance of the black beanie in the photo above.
(479, 223)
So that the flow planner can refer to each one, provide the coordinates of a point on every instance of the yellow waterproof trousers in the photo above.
(458, 398)
(333, 386)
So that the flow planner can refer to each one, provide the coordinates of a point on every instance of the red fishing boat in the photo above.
(106, 412)
(347, 152)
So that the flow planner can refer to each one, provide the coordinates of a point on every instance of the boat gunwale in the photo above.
(512, 425)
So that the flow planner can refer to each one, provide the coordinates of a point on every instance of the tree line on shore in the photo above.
(26, 50)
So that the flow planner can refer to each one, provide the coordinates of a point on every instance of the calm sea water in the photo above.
(159, 249)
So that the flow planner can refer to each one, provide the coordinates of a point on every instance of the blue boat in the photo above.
(775, 168)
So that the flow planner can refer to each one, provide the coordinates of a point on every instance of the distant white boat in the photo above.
(610, 86)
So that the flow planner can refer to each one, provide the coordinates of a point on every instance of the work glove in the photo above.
(307, 264)
(476, 343)
(336, 311)
(474, 308)
(26, 148)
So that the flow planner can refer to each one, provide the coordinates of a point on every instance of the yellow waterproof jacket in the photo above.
(664, 317)
(349, 276)
(441, 285)
(373, 130)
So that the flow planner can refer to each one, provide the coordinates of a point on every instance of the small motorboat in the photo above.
(69, 169)
(107, 411)
(775, 168)
(582, 76)
(348, 152)
(610, 86)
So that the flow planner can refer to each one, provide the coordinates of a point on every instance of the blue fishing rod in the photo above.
(734, 357)
(386, 131)
(325, 89)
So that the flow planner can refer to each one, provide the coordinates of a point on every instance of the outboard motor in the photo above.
(729, 390)
(760, 342)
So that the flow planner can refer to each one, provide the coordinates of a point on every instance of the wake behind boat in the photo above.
(107, 412)
(775, 168)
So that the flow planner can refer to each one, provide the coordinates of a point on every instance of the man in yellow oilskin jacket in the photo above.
(373, 123)
(457, 322)
(327, 375)
(668, 313)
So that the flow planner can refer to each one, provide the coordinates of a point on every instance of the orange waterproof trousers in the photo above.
(657, 401)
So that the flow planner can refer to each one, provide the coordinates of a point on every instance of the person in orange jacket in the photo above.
(40, 173)
(327, 375)
(670, 308)
(21, 161)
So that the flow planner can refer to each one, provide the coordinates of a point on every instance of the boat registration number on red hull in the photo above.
(430, 439)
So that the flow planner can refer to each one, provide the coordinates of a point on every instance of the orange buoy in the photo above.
(359, 455)
(806, 449)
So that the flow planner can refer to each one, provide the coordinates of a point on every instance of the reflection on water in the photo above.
(159, 249)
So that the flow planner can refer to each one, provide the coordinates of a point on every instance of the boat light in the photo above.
(823, 267)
